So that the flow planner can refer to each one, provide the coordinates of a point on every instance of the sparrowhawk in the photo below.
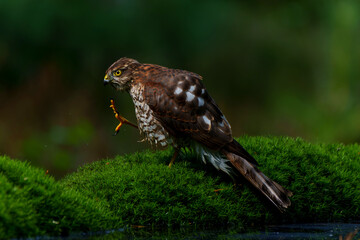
(174, 108)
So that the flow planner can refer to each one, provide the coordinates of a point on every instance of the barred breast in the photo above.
(149, 127)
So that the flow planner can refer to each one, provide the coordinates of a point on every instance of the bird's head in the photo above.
(119, 74)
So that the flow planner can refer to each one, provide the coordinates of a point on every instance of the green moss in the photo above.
(32, 203)
(140, 189)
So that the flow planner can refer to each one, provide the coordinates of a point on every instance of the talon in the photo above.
(121, 119)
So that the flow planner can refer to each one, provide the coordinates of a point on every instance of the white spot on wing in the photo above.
(178, 91)
(203, 91)
(192, 88)
(221, 124)
(201, 102)
(189, 96)
(223, 117)
(206, 120)
(221, 130)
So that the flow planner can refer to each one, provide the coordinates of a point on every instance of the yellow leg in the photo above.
(176, 153)
(120, 118)
(118, 127)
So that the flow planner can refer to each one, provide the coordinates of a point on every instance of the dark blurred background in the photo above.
(274, 67)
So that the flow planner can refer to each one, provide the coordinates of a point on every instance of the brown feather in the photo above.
(278, 195)
(173, 111)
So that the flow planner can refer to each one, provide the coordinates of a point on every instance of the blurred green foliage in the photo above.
(279, 67)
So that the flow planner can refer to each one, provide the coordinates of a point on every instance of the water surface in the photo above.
(286, 231)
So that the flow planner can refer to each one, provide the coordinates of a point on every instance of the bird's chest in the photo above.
(148, 125)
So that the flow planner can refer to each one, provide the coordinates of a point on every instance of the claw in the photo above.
(121, 119)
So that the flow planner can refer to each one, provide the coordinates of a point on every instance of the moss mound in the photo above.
(140, 189)
(32, 203)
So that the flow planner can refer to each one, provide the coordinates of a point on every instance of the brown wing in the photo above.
(182, 105)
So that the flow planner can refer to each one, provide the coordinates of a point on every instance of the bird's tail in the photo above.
(278, 195)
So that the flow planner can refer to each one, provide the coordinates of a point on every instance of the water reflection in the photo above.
(303, 231)
(342, 231)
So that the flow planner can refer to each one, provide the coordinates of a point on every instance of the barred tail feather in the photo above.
(278, 195)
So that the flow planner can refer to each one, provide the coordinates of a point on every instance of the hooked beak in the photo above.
(106, 80)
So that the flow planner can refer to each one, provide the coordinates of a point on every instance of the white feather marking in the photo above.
(192, 88)
(221, 124)
(152, 128)
(178, 91)
(189, 96)
(203, 91)
(206, 120)
(201, 101)
(223, 117)
(215, 158)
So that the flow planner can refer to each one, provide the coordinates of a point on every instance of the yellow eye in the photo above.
(117, 73)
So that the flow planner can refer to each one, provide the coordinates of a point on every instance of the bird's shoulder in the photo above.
(152, 74)
(182, 88)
